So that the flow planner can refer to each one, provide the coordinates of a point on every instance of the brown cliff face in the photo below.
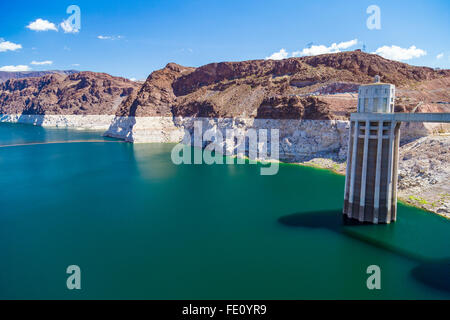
(318, 87)
(365, 66)
(79, 93)
(156, 95)
(281, 107)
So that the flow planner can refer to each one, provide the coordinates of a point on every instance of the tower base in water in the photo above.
(371, 179)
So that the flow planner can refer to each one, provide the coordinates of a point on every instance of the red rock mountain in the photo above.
(78, 93)
(317, 87)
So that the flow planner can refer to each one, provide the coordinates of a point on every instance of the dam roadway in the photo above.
(401, 117)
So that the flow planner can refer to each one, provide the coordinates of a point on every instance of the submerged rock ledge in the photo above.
(424, 167)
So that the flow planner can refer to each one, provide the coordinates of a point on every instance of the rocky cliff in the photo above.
(83, 93)
(320, 87)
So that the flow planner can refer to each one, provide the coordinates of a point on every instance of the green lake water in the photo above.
(141, 227)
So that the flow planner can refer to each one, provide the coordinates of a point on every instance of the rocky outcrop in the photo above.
(156, 96)
(282, 107)
(424, 173)
(83, 93)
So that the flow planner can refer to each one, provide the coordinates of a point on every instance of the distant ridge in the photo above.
(5, 75)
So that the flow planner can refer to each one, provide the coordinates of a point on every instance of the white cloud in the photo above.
(187, 50)
(322, 49)
(282, 54)
(109, 37)
(346, 44)
(68, 27)
(41, 63)
(42, 25)
(440, 56)
(75, 65)
(15, 68)
(314, 50)
(398, 53)
(133, 79)
(7, 45)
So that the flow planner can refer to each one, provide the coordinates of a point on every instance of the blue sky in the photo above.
(142, 36)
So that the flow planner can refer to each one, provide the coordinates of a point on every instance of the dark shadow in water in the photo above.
(327, 219)
(321, 219)
(433, 273)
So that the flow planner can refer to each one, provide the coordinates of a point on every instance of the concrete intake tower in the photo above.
(372, 161)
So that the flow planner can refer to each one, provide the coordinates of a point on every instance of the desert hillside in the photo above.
(318, 87)
(83, 93)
